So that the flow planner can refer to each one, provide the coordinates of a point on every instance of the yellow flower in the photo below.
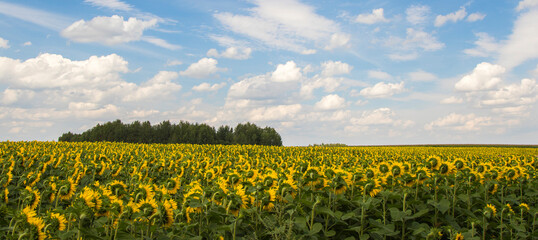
(491, 208)
(148, 206)
(91, 198)
(169, 207)
(525, 206)
(60, 219)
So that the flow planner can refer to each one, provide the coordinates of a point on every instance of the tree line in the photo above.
(183, 132)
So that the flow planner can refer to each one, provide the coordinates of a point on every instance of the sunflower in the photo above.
(91, 198)
(34, 196)
(490, 210)
(524, 206)
(71, 187)
(58, 220)
(6, 194)
(148, 206)
(169, 206)
(446, 168)
(35, 221)
(459, 236)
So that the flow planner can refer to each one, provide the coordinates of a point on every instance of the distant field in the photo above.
(181, 191)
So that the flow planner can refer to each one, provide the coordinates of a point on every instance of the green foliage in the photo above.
(184, 132)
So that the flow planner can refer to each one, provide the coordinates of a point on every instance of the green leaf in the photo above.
(301, 223)
(325, 210)
(443, 206)
(330, 233)
(348, 216)
(350, 238)
(364, 237)
(316, 228)
(396, 214)
(418, 214)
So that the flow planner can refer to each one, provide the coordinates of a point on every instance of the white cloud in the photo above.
(10, 96)
(374, 17)
(238, 53)
(284, 24)
(160, 42)
(486, 45)
(174, 63)
(4, 43)
(329, 84)
(421, 76)
(484, 76)
(519, 94)
(112, 4)
(27, 43)
(440, 20)
(522, 44)
(526, 4)
(379, 75)
(332, 68)
(260, 88)
(403, 57)
(273, 113)
(35, 16)
(460, 122)
(160, 85)
(53, 71)
(204, 68)
(415, 40)
(473, 17)
(451, 100)
(206, 87)
(337, 40)
(382, 90)
(535, 71)
(375, 117)
(288, 72)
(331, 102)
(108, 30)
(417, 14)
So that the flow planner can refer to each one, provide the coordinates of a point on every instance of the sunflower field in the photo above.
(61, 190)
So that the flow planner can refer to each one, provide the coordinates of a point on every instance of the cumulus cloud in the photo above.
(337, 40)
(522, 44)
(108, 30)
(331, 102)
(382, 90)
(329, 84)
(375, 117)
(27, 44)
(204, 68)
(52, 80)
(332, 68)
(4, 43)
(473, 17)
(238, 53)
(486, 45)
(371, 18)
(484, 76)
(440, 20)
(285, 24)
(421, 76)
(207, 87)
(455, 121)
(526, 92)
(288, 72)
(526, 4)
(273, 113)
(160, 84)
(53, 71)
(379, 75)
(451, 100)
(417, 14)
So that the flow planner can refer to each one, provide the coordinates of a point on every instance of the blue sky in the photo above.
(354, 72)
